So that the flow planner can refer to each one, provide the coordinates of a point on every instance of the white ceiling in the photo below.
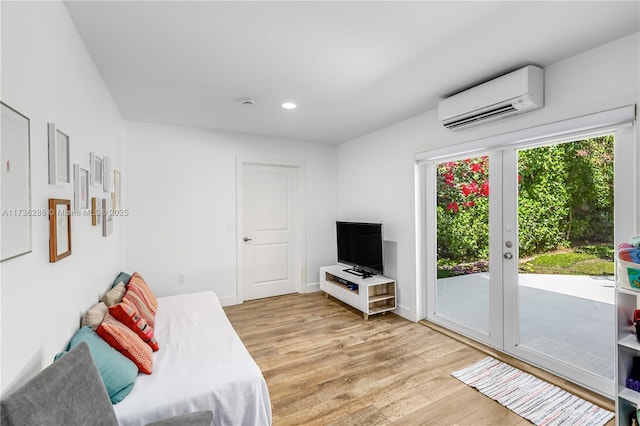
(352, 67)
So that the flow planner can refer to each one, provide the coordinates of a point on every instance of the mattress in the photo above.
(201, 365)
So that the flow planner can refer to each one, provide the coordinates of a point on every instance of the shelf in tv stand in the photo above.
(372, 295)
(343, 284)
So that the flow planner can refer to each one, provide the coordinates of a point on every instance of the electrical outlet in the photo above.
(181, 279)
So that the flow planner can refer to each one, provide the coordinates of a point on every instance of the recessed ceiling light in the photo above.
(289, 105)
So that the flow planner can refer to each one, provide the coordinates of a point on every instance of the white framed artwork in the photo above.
(107, 173)
(107, 218)
(59, 164)
(116, 195)
(95, 164)
(80, 188)
(15, 176)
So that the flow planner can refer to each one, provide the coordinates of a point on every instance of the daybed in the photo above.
(201, 365)
(197, 363)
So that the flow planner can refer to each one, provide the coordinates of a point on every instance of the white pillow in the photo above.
(94, 316)
(114, 296)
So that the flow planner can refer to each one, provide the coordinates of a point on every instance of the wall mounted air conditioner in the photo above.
(513, 93)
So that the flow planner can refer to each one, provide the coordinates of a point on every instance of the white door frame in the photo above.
(301, 258)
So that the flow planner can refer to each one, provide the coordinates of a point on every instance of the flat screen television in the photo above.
(360, 246)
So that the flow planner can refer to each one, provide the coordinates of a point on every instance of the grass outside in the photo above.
(583, 260)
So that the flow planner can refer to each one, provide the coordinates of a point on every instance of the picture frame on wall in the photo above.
(107, 219)
(59, 229)
(107, 169)
(59, 155)
(15, 176)
(116, 195)
(95, 164)
(96, 211)
(80, 188)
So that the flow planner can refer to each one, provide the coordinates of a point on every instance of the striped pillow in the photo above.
(134, 300)
(125, 341)
(140, 286)
(132, 319)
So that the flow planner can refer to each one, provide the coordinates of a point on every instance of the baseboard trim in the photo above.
(311, 288)
(404, 312)
(228, 300)
(573, 388)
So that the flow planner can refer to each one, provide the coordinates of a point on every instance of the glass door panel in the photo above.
(462, 222)
(565, 283)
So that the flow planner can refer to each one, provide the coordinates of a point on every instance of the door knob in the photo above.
(245, 239)
(508, 255)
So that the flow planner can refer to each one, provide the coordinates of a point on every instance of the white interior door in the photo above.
(270, 231)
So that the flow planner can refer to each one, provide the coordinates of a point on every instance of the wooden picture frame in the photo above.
(15, 193)
(95, 164)
(96, 211)
(59, 229)
(80, 188)
(59, 156)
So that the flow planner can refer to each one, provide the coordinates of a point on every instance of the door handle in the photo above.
(245, 239)
(508, 255)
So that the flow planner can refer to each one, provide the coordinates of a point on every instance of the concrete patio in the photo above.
(568, 317)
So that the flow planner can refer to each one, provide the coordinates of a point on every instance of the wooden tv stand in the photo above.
(373, 295)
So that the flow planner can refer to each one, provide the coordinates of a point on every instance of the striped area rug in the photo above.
(536, 400)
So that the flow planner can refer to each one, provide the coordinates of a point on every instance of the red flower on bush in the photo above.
(476, 168)
(484, 189)
(462, 183)
(469, 189)
(448, 178)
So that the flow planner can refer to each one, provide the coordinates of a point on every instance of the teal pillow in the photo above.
(117, 371)
(122, 276)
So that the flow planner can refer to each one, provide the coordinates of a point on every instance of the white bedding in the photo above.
(201, 365)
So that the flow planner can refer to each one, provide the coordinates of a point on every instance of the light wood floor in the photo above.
(325, 365)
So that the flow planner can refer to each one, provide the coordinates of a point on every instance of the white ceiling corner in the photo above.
(351, 66)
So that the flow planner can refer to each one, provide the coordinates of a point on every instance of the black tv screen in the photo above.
(360, 246)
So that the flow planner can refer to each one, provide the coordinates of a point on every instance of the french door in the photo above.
(560, 315)
(477, 282)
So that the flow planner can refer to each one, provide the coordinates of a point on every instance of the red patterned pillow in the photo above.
(121, 338)
(140, 286)
(134, 300)
(132, 319)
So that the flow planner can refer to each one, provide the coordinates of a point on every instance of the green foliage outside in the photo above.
(565, 201)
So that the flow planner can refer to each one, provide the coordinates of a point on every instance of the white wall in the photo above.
(181, 197)
(48, 75)
(379, 166)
